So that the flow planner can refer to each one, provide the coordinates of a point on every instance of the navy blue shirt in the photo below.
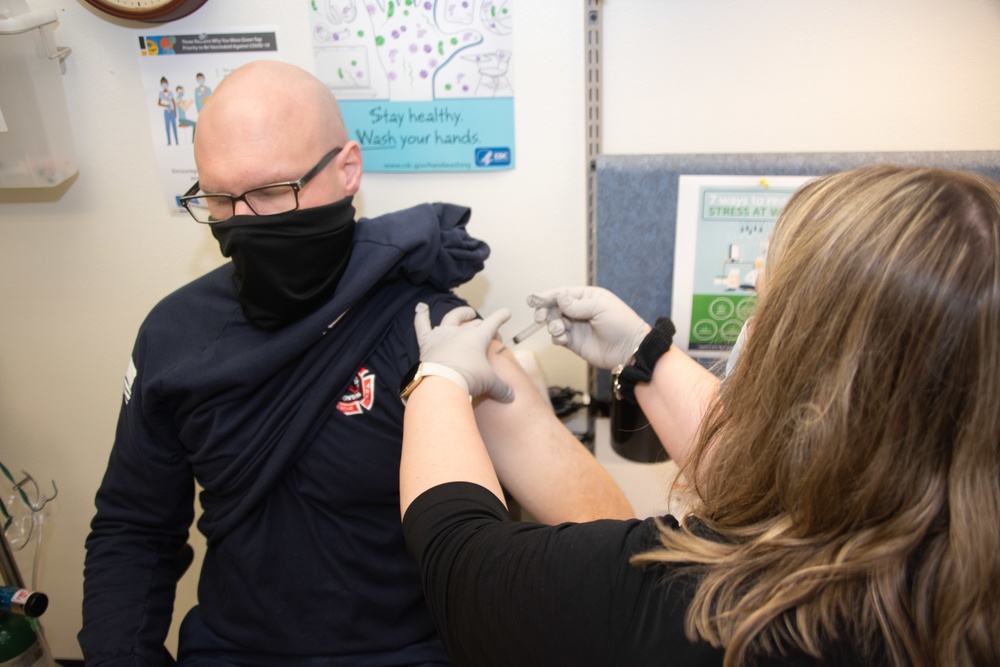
(294, 436)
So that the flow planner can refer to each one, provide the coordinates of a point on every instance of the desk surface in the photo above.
(646, 485)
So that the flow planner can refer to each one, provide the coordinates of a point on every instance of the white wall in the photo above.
(800, 75)
(81, 265)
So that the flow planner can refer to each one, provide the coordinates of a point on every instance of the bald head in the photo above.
(266, 122)
(270, 102)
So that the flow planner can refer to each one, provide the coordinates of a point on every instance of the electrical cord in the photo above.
(566, 401)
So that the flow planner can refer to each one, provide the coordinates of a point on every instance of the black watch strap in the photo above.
(653, 346)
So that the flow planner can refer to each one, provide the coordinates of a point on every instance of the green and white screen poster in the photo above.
(724, 227)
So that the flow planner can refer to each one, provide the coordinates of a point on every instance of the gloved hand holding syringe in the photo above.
(591, 321)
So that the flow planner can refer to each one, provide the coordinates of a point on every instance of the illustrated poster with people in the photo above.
(424, 85)
(724, 227)
(179, 73)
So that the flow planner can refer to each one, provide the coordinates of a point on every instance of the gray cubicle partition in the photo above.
(633, 238)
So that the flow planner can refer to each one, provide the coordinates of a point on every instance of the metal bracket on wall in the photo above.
(592, 124)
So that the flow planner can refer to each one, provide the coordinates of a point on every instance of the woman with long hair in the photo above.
(846, 473)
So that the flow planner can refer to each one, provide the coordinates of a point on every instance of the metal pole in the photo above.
(592, 83)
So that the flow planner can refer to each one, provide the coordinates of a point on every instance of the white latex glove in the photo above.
(592, 322)
(460, 343)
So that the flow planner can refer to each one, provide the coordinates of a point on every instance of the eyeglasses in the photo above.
(266, 200)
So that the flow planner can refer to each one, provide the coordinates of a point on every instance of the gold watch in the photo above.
(422, 369)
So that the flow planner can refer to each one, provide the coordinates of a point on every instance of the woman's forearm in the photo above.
(441, 442)
(675, 400)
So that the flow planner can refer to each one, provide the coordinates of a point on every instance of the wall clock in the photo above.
(150, 11)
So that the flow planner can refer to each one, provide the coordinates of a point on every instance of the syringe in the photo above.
(528, 331)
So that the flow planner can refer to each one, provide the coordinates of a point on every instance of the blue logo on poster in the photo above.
(492, 157)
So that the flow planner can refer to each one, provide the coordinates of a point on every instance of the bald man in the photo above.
(271, 382)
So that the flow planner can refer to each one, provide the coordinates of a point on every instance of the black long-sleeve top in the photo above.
(513, 593)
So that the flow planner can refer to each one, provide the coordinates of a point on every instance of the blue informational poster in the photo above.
(424, 85)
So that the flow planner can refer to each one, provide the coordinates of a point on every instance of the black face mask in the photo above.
(287, 265)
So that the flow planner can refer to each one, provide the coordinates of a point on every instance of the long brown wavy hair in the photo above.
(851, 464)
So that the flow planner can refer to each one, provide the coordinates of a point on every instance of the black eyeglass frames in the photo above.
(265, 200)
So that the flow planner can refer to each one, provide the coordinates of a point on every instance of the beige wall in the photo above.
(81, 265)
